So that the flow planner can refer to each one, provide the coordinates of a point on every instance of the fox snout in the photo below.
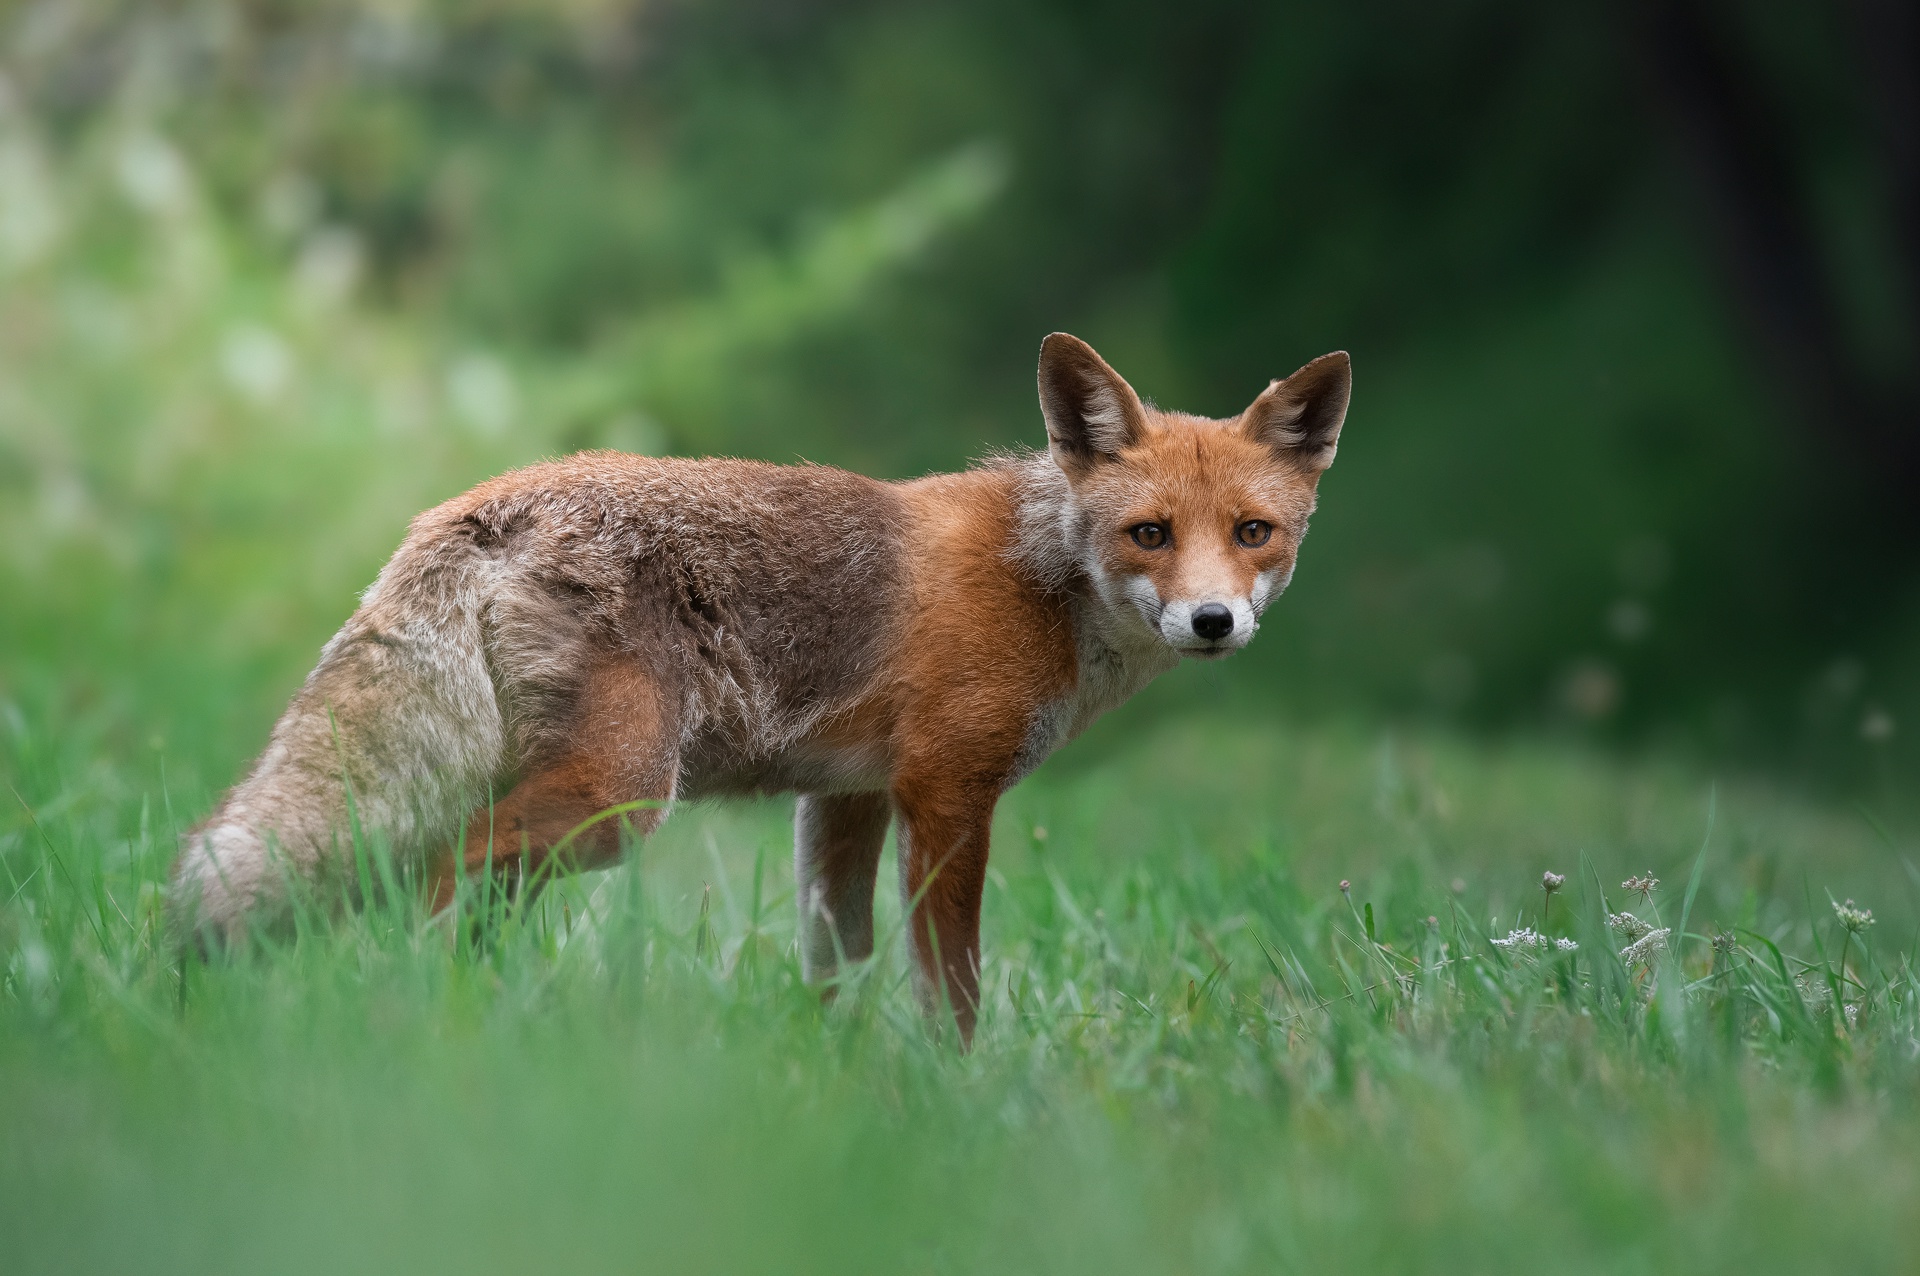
(1208, 628)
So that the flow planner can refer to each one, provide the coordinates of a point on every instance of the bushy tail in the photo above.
(394, 737)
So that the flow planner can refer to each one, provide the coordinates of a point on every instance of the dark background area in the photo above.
(1632, 290)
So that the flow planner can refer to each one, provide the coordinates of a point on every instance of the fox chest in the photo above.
(1106, 677)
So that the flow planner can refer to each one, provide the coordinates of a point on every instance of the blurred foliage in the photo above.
(275, 276)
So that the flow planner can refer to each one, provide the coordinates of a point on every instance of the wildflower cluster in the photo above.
(1854, 918)
(1646, 949)
(1644, 886)
(1529, 940)
(1628, 925)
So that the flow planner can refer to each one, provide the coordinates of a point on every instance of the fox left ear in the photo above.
(1092, 414)
(1300, 417)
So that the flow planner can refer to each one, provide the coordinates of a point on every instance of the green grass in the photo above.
(1192, 1057)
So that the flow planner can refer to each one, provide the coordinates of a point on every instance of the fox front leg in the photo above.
(943, 873)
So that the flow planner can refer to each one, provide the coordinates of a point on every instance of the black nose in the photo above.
(1212, 621)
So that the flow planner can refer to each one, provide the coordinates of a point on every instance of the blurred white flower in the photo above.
(289, 204)
(1529, 940)
(328, 267)
(482, 393)
(153, 175)
(256, 362)
(33, 966)
(29, 213)
(66, 507)
(99, 320)
(394, 36)
(1629, 620)
(1854, 918)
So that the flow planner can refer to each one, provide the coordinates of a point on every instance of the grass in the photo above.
(1198, 1053)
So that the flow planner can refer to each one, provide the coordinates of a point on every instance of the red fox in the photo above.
(607, 628)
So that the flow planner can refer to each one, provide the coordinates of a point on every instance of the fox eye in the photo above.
(1149, 535)
(1253, 533)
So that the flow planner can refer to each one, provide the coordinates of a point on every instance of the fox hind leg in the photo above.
(836, 855)
(562, 816)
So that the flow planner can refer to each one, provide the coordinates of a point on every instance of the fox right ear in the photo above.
(1300, 417)
(1092, 414)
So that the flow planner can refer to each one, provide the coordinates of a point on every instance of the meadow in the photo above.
(1253, 1006)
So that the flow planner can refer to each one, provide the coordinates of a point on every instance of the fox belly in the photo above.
(713, 768)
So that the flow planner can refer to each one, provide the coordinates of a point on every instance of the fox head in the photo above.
(1191, 524)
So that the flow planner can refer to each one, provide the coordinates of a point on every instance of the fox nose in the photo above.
(1212, 621)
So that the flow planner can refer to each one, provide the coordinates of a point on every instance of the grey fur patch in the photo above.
(1052, 534)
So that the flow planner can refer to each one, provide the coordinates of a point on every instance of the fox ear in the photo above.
(1092, 414)
(1300, 417)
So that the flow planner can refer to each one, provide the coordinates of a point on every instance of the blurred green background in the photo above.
(1633, 291)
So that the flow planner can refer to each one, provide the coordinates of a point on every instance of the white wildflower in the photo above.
(1527, 940)
(1642, 951)
(1854, 918)
(1628, 925)
(1644, 885)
